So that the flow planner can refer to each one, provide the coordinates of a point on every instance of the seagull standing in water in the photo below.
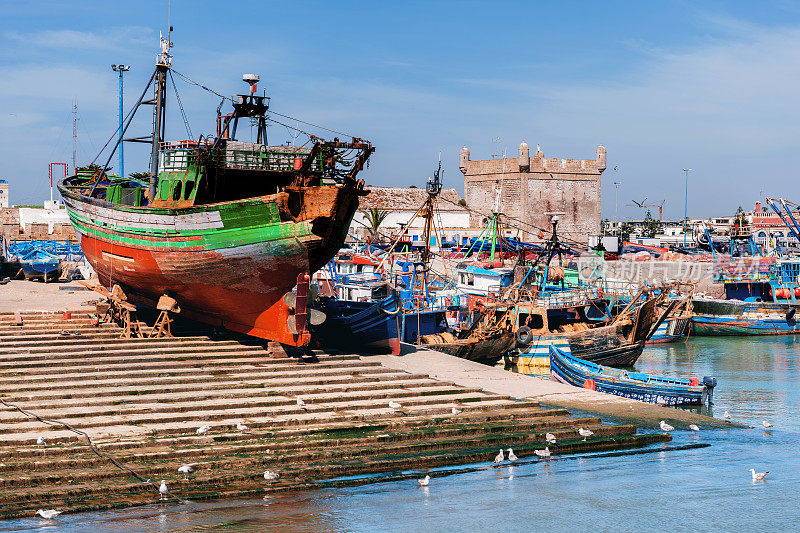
(727, 416)
(585, 433)
(766, 424)
(666, 428)
(694, 427)
(550, 438)
(499, 458)
(163, 490)
(543, 453)
(424, 481)
(758, 476)
(50, 514)
(511, 455)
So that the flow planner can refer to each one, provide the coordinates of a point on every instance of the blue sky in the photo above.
(712, 86)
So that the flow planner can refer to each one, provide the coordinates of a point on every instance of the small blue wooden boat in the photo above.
(361, 326)
(40, 264)
(569, 369)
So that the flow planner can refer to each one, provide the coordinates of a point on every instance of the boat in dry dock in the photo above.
(225, 227)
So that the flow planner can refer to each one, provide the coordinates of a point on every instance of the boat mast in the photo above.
(433, 187)
(159, 102)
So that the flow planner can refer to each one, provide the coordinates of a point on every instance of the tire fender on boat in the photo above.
(589, 384)
(524, 336)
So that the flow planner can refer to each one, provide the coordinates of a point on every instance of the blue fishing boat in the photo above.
(38, 264)
(567, 368)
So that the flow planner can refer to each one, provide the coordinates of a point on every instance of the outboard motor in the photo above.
(709, 382)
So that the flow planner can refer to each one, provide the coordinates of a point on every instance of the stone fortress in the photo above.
(527, 188)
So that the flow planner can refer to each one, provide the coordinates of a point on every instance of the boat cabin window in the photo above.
(176, 192)
(164, 189)
(187, 190)
(470, 279)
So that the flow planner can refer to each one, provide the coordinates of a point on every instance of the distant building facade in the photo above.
(528, 188)
(4, 194)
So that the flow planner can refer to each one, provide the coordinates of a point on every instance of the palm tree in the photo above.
(375, 218)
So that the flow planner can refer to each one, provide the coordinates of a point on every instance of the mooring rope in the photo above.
(103, 455)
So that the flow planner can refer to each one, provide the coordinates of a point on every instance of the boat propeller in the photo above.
(302, 307)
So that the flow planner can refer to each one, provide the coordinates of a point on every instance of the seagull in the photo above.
(666, 428)
(394, 405)
(301, 404)
(500, 457)
(163, 490)
(727, 415)
(766, 424)
(511, 455)
(40, 442)
(202, 430)
(585, 433)
(694, 427)
(186, 470)
(48, 513)
(424, 481)
(551, 439)
(758, 476)
(241, 427)
(271, 476)
(543, 453)
(455, 411)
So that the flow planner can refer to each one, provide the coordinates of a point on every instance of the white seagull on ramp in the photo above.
(694, 427)
(394, 405)
(50, 514)
(550, 438)
(271, 476)
(499, 458)
(241, 427)
(301, 404)
(666, 428)
(202, 430)
(455, 411)
(511, 455)
(585, 433)
(186, 470)
(163, 490)
(758, 476)
(424, 481)
(41, 442)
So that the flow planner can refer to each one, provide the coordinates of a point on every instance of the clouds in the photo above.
(64, 39)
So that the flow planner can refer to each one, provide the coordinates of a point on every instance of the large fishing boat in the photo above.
(226, 227)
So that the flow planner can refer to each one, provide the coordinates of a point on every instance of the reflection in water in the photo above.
(699, 488)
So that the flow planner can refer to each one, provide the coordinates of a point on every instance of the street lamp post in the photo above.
(685, 201)
(121, 69)
(616, 201)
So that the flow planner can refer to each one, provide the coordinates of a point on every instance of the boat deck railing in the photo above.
(179, 157)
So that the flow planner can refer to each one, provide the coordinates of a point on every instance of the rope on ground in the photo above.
(102, 455)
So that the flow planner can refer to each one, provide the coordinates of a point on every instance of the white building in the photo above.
(3, 193)
(401, 203)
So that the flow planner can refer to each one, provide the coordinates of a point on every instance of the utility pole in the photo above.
(685, 201)
(121, 69)
(74, 131)
(616, 201)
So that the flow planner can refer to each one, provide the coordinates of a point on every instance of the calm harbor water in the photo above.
(669, 489)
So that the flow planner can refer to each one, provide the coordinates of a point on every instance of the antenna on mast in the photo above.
(74, 131)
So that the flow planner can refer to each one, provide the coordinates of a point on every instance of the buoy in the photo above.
(95, 321)
(66, 316)
(298, 163)
(694, 382)
(797, 292)
(589, 384)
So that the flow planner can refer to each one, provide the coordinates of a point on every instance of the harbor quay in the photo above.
(152, 405)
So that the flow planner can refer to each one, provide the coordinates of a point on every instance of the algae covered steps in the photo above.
(143, 400)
